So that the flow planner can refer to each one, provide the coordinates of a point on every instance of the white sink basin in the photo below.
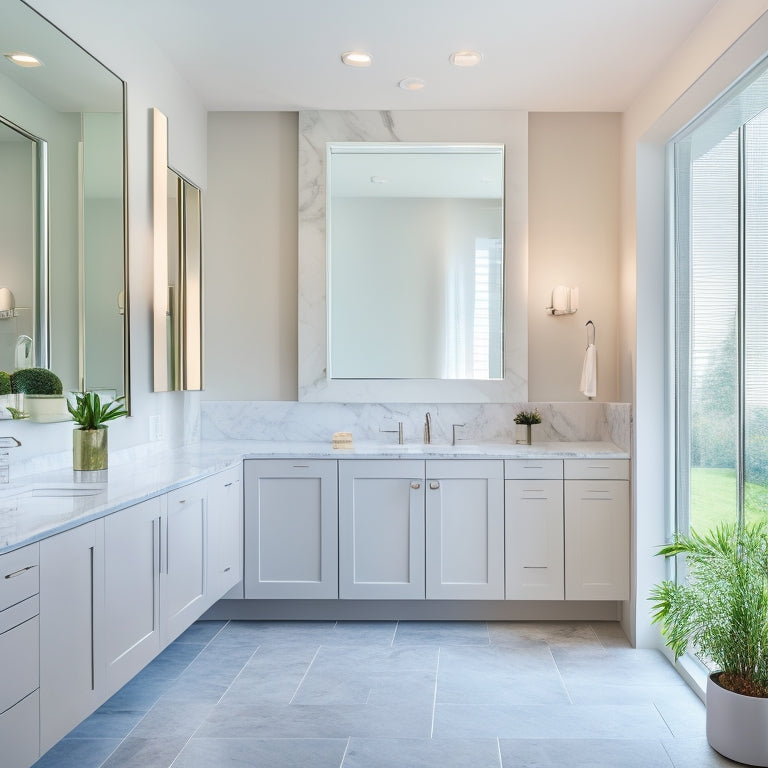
(66, 490)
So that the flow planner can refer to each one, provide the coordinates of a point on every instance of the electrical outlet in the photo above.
(155, 428)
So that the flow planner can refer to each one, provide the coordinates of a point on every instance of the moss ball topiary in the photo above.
(36, 381)
(5, 383)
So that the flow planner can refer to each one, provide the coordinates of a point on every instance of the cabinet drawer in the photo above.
(19, 575)
(19, 662)
(596, 469)
(20, 733)
(19, 613)
(533, 469)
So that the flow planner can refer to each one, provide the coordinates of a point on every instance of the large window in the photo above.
(720, 180)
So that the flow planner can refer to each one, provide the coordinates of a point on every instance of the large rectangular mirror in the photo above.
(415, 261)
(68, 273)
(413, 256)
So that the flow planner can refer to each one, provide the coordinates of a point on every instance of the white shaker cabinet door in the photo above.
(596, 540)
(465, 530)
(291, 529)
(534, 539)
(183, 558)
(71, 627)
(131, 590)
(225, 534)
(381, 529)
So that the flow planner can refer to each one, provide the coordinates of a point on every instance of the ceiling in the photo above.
(540, 55)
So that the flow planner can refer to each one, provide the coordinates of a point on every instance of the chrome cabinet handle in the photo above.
(415, 486)
(19, 572)
(434, 485)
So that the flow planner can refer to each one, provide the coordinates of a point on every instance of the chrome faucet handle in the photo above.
(427, 428)
(453, 426)
(399, 431)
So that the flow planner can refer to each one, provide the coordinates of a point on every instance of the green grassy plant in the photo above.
(89, 412)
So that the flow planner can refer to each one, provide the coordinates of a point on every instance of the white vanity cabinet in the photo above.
(596, 529)
(183, 559)
(225, 534)
(291, 528)
(71, 621)
(534, 530)
(19, 657)
(464, 529)
(132, 541)
(381, 529)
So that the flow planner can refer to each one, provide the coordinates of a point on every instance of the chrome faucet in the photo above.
(427, 428)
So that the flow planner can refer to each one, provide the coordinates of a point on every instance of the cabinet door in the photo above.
(131, 590)
(291, 529)
(533, 531)
(225, 533)
(465, 530)
(596, 540)
(381, 529)
(71, 626)
(183, 560)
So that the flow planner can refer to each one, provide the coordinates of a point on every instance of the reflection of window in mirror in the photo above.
(415, 261)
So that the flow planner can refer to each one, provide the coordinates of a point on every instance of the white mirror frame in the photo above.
(315, 130)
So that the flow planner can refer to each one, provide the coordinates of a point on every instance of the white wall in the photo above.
(729, 40)
(573, 205)
(120, 44)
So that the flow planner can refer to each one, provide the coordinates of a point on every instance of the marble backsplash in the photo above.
(483, 422)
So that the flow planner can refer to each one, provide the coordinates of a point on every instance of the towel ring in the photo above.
(594, 332)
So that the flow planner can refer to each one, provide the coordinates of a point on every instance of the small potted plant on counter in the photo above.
(720, 611)
(39, 393)
(89, 439)
(527, 419)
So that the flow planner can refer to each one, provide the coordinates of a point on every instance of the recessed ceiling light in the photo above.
(411, 84)
(466, 58)
(23, 59)
(357, 59)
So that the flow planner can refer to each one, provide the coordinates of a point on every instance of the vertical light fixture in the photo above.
(160, 241)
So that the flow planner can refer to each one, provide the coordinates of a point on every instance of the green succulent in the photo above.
(36, 381)
(5, 383)
(89, 412)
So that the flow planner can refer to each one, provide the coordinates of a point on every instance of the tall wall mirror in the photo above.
(412, 265)
(178, 272)
(63, 254)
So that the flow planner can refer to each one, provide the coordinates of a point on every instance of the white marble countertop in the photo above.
(34, 507)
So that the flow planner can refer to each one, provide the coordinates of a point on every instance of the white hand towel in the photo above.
(589, 373)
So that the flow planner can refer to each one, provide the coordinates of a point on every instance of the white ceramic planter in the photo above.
(737, 726)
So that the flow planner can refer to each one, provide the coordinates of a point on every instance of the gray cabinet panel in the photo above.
(291, 529)
(225, 534)
(381, 529)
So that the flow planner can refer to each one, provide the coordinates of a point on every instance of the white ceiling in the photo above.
(538, 54)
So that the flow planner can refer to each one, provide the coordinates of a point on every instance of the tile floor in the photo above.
(405, 694)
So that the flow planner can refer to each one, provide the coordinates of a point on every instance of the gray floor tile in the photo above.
(201, 632)
(172, 661)
(78, 753)
(334, 721)
(549, 722)
(422, 753)
(441, 633)
(498, 675)
(551, 633)
(105, 724)
(684, 714)
(254, 633)
(171, 718)
(145, 753)
(580, 753)
(275, 753)
(216, 664)
(366, 633)
(611, 634)
(139, 695)
(695, 753)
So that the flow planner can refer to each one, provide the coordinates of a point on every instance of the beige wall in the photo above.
(251, 233)
(573, 217)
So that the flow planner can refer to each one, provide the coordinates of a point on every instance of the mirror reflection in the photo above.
(415, 261)
(67, 273)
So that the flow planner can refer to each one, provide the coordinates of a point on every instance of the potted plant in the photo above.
(39, 393)
(89, 440)
(721, 612)
(528, 419)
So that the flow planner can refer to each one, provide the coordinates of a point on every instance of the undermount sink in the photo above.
(61, 490)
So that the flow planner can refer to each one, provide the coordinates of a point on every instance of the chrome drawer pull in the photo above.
(434, 485)
(415, 486)
(19, 572)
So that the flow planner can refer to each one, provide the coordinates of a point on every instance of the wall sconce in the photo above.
(564, 301)
(7, 304)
